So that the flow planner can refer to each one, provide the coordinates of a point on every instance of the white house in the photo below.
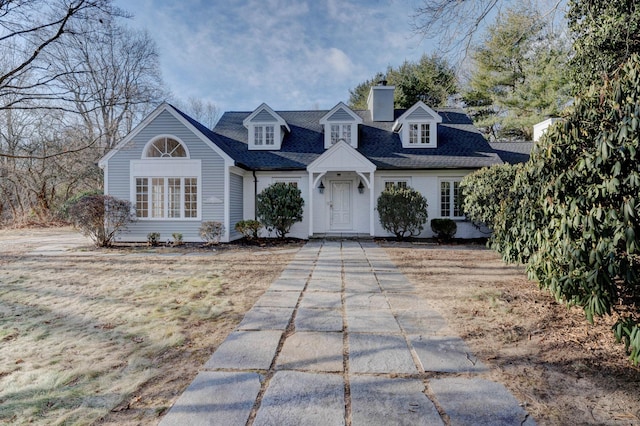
(177, 173)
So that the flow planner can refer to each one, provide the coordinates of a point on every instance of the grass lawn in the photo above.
(114, 336)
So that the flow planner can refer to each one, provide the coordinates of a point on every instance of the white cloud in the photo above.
(291, 54)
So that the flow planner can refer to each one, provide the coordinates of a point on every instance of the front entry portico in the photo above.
(341, 192)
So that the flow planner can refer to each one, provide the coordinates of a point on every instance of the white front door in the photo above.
(340, 205)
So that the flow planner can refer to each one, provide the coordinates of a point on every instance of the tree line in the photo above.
(571, 214)
(73, 81)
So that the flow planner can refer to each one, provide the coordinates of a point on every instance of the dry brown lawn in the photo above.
(564, 370)
(114, 336)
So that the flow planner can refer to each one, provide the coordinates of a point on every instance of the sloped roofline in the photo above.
(178, 116)
(367, 165)
(264, 106)
(400, 120)
(356, 117)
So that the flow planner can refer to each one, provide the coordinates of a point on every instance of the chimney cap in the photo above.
(382, 82)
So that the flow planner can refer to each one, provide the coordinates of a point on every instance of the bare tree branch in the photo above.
(455, 23)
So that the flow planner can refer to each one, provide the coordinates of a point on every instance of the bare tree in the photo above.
(33, 182)
(456, 22)
(28, 30)
(113, 76)
(206, 112)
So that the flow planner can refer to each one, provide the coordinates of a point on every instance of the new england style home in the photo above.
(178, 173)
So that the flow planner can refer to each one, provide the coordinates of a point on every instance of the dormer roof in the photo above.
(264, 114)
(341, 113)
(419, 112)
(460, 144)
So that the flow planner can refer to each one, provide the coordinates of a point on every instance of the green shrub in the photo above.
(280, 206)
(100, 216)
(485, 191)
(444, 228)
(211, 231)
(177, 239)
(402, 211)
(153, 238)
(574, 210)
(249, 228)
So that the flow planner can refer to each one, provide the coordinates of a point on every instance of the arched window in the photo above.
(165, 147)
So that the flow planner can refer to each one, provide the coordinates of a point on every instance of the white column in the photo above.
(372, 214)
(311, 204)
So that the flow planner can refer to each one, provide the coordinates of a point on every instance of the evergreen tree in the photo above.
(431, 80)
(518, 78)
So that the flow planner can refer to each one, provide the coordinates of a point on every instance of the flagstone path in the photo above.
(341, 338)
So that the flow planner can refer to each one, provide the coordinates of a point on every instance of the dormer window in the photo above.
(419, 133)
(264, 135)
(266, 129)
(340, 124)
(418, 127)
(341, 131)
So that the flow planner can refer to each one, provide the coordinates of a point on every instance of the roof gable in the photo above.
(418, 112)
(341, 113)
(264, 114)
(341, 156)
(178, 115)
(460, 144)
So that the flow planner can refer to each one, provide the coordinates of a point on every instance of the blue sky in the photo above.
(291, 54)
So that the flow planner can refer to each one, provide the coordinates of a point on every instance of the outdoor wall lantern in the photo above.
(321, 188)
(361, 188)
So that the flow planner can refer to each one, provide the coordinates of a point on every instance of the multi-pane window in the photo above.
(268, 135)
(288, 181)
(171, 197)
(418, 133)
(450, 199)
(165, 148)
(258, 135)
(398, 183)
(157, 197)
(190, 197)
(142, 197)
(340, 131)
(264, 135)
(174, 197)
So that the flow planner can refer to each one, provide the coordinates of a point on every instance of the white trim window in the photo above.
(291, 181)
(451, 199)
(419, 134)
(166, 197)
(165, 147)
(400, 183)
(264, 135)
(340, 131)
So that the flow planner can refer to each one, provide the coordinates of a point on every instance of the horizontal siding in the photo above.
(264, 117)
(420, 114)
(139, 230)
(212, 179)
(236, 206)
(340, 115)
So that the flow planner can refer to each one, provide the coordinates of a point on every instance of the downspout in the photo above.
(255, 195)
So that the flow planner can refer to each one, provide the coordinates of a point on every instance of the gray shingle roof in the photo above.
(513, 152)
(460, 144)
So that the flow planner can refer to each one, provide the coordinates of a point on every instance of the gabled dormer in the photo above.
(418, 127)
(341, 123)
(266, 129)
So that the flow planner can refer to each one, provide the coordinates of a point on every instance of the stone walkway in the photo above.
(341, 338)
